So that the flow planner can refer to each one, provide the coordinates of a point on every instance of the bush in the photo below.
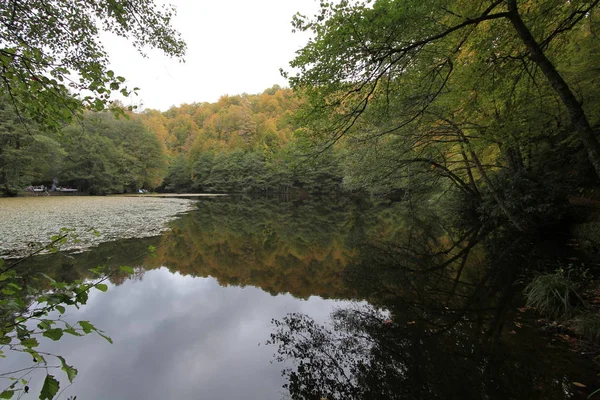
(587, 325)
(555, 295)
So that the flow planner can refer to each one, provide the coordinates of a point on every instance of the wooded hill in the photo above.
(243, 143)
(496, 105)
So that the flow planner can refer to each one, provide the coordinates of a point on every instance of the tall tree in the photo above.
(453, 78)
(112, 155)
(26, 155)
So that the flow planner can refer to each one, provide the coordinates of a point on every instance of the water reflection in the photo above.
(370, 355)
(443, 319)
(176, 337)
(443, 322)
(302, 249)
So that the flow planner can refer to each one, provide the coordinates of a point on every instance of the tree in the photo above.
(111, 155)
(178, 176)
(26, 155)
(245, 143)
(466, 85)
(51, 52)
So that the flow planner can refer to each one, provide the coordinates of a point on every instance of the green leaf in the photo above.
(101, 287)
(30, 343)
(82, 297)
(7, 394)
(71, 331)
(69, 370)
(126, 269)
(37, 357)
(22, 332)
(50, 388)
(44, 325)
(54, 334)
(60, 309)
(86, 326)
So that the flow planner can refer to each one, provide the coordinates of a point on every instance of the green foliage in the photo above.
(242, 144)
(19, 310)
(555, 295)
(51, 50)
(537, 200)
(33, 306)
(25, 154)
(111, 156)
(101, 155)
(101, 287)
(178, 176)
(54, 67)
(126, 269)
(50, 388)
(587, 325)
(69, 370)
(416, 91)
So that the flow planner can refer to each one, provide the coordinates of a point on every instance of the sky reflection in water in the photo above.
(182, 335)
(178, 337)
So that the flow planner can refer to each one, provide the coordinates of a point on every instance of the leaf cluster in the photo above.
(52, 62)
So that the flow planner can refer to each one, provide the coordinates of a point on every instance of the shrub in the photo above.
(587, 325)
(555, 295)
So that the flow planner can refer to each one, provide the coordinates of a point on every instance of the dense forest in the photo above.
(489, 123)
(99, 154)
(494, 103)
(486, 112)
(241, 144)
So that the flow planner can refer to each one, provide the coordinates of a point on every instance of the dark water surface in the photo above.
(421, 309)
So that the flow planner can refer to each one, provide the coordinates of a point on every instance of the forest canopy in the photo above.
(499, 97)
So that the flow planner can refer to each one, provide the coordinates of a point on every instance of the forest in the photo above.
(489, 124)
(485, 109)
(241, 144)
(481, 115)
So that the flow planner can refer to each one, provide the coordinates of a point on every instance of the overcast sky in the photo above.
(234, 47)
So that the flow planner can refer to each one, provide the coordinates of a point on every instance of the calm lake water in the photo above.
(374, 301)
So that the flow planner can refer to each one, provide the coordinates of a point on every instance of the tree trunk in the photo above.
(495, 193)
(468, 167)
(579, 121)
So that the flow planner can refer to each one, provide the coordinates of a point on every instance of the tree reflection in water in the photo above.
(442, 323)
(442, 319)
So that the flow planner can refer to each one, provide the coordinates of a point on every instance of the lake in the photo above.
(340, 298)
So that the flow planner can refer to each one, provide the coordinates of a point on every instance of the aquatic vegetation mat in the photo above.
(27, 224)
